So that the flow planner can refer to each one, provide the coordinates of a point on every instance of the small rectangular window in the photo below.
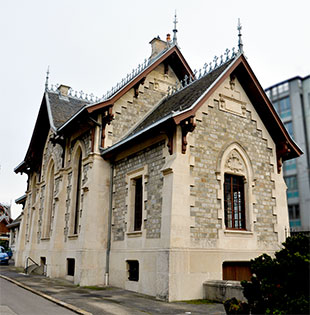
(133, 270)
(70, 266)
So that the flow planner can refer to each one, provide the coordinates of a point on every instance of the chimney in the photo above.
(63, 90)
(168, 38)
(158, 46)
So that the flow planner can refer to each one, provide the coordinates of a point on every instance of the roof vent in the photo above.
(63, 90)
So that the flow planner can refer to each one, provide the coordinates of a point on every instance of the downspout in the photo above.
(107, 264)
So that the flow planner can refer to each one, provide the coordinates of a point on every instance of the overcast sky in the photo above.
(91, 45)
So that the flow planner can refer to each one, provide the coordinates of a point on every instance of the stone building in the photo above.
(157, 192)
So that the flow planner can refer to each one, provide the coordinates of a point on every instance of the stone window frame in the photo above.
(49, 199)
(78, 153)
(130, 199)
(233, 159)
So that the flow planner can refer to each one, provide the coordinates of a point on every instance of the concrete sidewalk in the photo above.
(103, 300)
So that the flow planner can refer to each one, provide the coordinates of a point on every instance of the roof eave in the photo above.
(21, 199)
(49, 112)
(20, 168)
(119, 144)
(179, 116)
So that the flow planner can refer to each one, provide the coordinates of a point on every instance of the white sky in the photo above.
(91, 45)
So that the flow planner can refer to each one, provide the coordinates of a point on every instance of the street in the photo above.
(94, 300)
(16, 300)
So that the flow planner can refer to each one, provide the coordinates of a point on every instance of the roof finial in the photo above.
(240, 45)
(46, 80)
(175, 41)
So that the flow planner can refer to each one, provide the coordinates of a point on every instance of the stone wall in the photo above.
(128, 110)
(217, 127)
(151, 157)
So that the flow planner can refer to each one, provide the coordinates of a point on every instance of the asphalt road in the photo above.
(16, 300)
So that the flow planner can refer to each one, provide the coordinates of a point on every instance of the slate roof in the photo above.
(181, 100)
(62, 109)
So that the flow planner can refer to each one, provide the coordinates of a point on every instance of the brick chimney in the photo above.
(63, 90)
(158, 46)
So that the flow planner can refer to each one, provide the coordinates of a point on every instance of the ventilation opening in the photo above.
(133, 270)
(70, 266)
(236, 270)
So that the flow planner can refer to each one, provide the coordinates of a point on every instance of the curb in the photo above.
(45, 296)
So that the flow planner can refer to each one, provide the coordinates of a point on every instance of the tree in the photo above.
(280, 285)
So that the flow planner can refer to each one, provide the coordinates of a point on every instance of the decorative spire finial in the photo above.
(240, 45)
(175, 41)
(46, 80)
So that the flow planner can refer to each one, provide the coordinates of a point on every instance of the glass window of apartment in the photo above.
(284, 107)
(289, 165)
(274, 91)
(285, 86)
(292, 188)
(294, 215)
(280, 88)
(289, 127)
(293, 211)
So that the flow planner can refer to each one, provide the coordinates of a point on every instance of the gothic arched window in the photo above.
(236, 181)
(76, 191)
(49, 201)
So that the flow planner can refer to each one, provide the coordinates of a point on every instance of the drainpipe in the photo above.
(107, 264)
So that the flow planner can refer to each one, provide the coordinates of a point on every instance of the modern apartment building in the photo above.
(291, 99)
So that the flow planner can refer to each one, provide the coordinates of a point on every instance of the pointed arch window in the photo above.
(78, 195)
(49, 201)
(235, 175)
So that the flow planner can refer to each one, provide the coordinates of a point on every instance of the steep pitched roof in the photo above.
(58, 113)
(186, 102)
(63, 108)
(54, 111)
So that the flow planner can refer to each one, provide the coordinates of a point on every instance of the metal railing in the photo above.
(27, 263)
